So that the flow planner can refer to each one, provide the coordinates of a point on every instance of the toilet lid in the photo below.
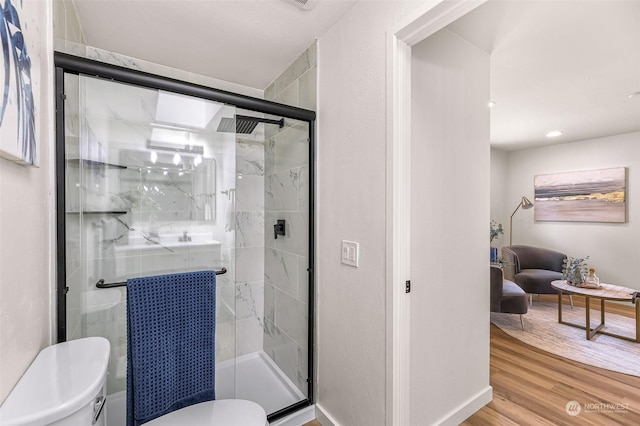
(61, 380)
(222, 412)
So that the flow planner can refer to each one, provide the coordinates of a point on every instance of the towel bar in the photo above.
(102, 284)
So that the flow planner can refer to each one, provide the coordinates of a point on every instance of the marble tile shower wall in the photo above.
(113, 246)
(73, 220)
(249, 290)
(99, 250)
(286, 293)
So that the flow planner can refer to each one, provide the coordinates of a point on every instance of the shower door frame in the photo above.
(65, 63)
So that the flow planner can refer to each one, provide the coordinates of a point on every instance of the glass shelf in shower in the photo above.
(94, 163)
(114, 212)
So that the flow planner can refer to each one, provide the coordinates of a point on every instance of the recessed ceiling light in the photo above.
(631, 95)
(304, 4)
(491, 104)
(554, 133)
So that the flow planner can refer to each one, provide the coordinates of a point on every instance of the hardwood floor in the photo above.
(533, 387)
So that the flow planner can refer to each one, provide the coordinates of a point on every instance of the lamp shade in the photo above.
(526, 203)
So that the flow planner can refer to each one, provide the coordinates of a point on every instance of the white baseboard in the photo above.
(298, 418)
(324, 417)
(454, 418)
(465, 410)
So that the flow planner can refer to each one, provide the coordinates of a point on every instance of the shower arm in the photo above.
(280, 122)
(102, 284)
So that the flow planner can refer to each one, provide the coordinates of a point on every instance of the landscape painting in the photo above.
(587, 196)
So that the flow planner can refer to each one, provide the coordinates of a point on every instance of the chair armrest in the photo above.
(496, 281)
(510, 258)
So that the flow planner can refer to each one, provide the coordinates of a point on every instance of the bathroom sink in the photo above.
(167, 253)
(167, 242)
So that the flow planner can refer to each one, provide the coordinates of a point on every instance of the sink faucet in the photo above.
(185, 237)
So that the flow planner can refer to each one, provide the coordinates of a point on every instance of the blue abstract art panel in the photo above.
(17, 106)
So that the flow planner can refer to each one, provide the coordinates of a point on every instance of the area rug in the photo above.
(542, 330)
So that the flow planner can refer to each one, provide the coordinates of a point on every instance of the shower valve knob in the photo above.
(278, 228)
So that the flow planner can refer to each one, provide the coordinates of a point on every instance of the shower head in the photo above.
(244, 124)
(230, 125)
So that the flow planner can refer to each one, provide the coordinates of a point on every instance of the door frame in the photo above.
(422, 23)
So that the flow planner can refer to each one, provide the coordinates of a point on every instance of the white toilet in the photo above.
(222, 412)
(65, 386)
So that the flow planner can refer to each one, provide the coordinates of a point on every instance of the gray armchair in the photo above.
(533, 268)
(506, 296)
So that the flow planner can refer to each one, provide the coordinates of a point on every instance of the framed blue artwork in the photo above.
(17, 104)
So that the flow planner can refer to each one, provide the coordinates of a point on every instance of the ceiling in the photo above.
(558, 65)
(248, 42)
(555, 65)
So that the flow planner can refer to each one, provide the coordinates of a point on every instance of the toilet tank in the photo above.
(63, 386)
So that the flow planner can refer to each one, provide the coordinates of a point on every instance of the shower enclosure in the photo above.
(158, 176)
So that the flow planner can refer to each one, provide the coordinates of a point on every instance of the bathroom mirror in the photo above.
(162, 185)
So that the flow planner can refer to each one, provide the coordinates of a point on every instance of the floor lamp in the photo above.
(525, 204)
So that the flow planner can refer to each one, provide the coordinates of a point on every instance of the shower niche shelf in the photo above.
(113, 212)
(94, 164)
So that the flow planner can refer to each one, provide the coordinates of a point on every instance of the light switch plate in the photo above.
(350, 253)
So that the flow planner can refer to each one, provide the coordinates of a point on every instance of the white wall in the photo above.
(613, 248)
(351, 317)
(26, 220)
(500, 210)
(449, 215)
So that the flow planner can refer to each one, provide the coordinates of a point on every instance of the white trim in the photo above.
(462, 412)
(51, 147)
(425, 21)
(317, 326)
(398, 230)
(429, 19)
(324, 417)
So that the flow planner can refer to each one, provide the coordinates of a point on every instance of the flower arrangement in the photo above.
(573, 269)
(495, 230)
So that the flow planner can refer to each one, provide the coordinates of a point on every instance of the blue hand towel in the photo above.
(170, 343)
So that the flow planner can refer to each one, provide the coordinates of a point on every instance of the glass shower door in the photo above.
(149, 191)
(157, 182)
(287, 299)
(272, 260)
